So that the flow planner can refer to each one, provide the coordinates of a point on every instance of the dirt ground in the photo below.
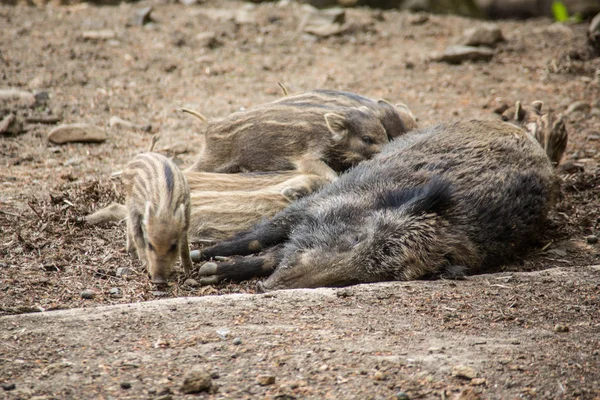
(371, 341)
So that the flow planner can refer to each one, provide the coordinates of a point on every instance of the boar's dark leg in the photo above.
(240, 268)
(263, 236)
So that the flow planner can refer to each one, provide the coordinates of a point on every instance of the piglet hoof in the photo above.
(195, 255)
(207, 269)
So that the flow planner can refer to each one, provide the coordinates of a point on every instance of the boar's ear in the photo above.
(337, 126)
(537, 105)
(435, 196)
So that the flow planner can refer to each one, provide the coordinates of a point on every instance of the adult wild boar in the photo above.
(450, 199)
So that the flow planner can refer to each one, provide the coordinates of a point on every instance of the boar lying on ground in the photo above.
(320, 132)
(224, 204)
(158, 214)
(447, 200)
(550, 132)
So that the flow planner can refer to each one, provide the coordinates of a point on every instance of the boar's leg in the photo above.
(240, 268)
(263, 236)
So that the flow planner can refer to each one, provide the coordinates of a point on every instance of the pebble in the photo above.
(123, 271)
(165, 397)
(142, 16)
(323, 23)
(115, 292)
(77, 133)
(11, 125)
(196, 381)
(9, 386)
(484, 35)
(223, 333)
(208, 40)
(402, 396)
(118, 122)
(103, 34)
(237, 341)
(159, 293)
(462, 371)
(21, 96)
(379, 376)
(458, 54)
(561, 328)
(478, 381)
(265, 380)
(125, 385)
(88, 294)
(592, 239)
(191, 282)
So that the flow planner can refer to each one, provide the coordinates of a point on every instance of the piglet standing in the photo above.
(158, 214)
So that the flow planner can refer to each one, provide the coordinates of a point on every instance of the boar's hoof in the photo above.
(209, 268)
(260, 287)
(195, 255)
(211, 280)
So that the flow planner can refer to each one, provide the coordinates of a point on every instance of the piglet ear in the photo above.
(519, 113)
(537, 105)
(147, 213)
(180, 213)
(337, 126)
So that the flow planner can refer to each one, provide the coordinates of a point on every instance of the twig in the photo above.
(9, 213)
(35, 211)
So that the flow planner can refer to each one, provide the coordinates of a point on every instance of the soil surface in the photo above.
(532, 330)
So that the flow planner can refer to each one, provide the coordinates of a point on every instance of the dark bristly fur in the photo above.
(158, 214)
(451, 198)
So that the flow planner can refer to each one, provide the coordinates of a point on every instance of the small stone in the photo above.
(558, 252)
(20, 96)
(478, 382)
(580, 106)
(484, 35)
(592, 239)
(188, 2)
(265, 380)
(196, 381)
(123, 271)
(165, 397)
(115, 292)
(159, 293)
(88, 294)
(73, 161)
(401, 396)
(418, 19)
(125, 385)
(323, 23)
(118, 122)
(104, 34)
(237, 341)
(561, 328)
(223, 333)
(11, 125)
(191, 282)
(458, 54)
(208, 40)
(379, 376)
(77, 133)
(9, 386)
(142, 16)
(464, 372)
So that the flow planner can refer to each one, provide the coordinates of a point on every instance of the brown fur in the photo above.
(549, 131)
(223, 204)
(318, 132)
(158, 214)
